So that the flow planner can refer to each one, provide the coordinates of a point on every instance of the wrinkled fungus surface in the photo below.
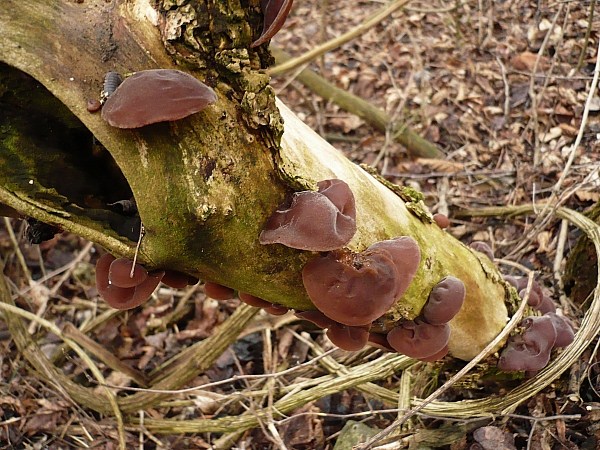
(275, 12)
(564, 330)
(531, 350)
(159, 95)
(419, 339)
(316, 221)
(444, 302)
(356, 288)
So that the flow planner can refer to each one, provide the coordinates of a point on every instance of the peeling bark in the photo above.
(204, 185)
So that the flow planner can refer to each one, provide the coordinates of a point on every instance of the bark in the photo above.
(205, 185)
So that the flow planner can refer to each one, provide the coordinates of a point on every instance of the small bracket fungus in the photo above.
(152, 96)
(356, 288)
(441, 220)
(178, 280)
(275, 12)
(218, 291)
(124, 292)
(531, 350)
(348, 338)
(444, 302)
(419, 339)
(564, 330)
(484, 248)
(316, 221)
(120, 273)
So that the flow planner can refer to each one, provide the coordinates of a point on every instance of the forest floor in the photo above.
(500, 86)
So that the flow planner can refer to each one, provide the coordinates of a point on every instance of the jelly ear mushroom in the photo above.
(316, 221)
(178, 280)
(531, 350)
(348, 338)
(441, 220)
(484, 248)
(564, 330)
(218, 291)
(124, 273)
(356, 288)
(275, 12)
(419, 339)
(444, 302)
(152, 96)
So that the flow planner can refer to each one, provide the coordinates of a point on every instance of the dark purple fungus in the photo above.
(419, 339)
(254, 301)
(275, 12)
(218, 291)
(177, 280)
(316, 221)
(436, 356)
(444, 302)
(316, 317)
(93, 105)
(356, 288)
(564, 330)
(484, 248)
(120, 273)
(441, 220)
(531, 350)
(380, 340)
(143, 291)
(113, 295)
(276, 310)
(547, 305)
(348, 338)
(159, 95)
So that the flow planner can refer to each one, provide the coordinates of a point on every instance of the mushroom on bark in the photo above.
(275, 12)
(356, 288)
(419, 339)
(158, 95)
(531, 350)
(444, 302)
(317, 221)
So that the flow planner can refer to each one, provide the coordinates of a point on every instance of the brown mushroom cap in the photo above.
(218, 291)
(484, 248)
(531, 350)
(436, 356)
(254, 301)
(547, 305)
(275, 12)
(441, 220)
(419, 339)
(177, 280)
(316, 221)
(564, 330)
(356, 288)
(444, 302)
(120, 273)
(316, 317)
(276, 310)
(109, 292)
(159, 95)
(348, 338)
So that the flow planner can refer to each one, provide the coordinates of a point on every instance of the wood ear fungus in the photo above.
(531, 350)
(124, 292)
(318, 221)
(356, 288)
(152, 96)
(444, 302)
(218, 291)
(275, 12)
(419, 339)
(348, 338)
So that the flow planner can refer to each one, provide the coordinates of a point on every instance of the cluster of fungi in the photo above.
(350, 290)
(529, 349)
